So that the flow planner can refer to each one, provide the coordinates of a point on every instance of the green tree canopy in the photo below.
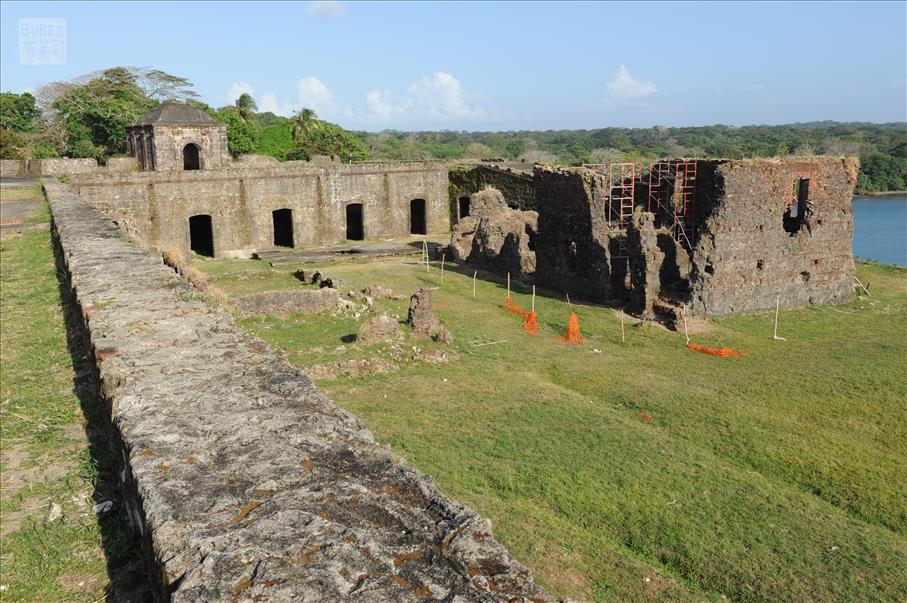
(18, 112)
(246, 106)
(88, 116)
(241, 135)
(312, 136)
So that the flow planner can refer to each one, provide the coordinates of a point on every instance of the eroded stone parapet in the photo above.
(247, 481)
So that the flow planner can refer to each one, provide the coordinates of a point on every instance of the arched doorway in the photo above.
(283, 227)
(355, 230)
(417, 216)
(201, 235)
(191, 157)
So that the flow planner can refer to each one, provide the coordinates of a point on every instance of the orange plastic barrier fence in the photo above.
(515, 308)
(573, 334)
(531, 324)
(722, 352)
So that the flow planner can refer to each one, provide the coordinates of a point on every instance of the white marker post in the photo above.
(533, 299)
(442, 267)
(777, 310)
(475, 272)
(685, 332)
(622, 337)
(425, 248)
(508, 285)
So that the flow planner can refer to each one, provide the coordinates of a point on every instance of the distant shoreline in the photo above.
(882, 194)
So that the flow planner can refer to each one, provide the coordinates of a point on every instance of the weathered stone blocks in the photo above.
(247, 482)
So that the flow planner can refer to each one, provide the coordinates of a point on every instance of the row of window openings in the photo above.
(201, 231)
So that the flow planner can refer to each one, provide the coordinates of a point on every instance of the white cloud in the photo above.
(237, 89)
(622, 85)
(432, 99)
(381, 105)
(311, 93)
(324, 8)
(438, 97)
(269, 102)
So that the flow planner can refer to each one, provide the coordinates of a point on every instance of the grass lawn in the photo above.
(642, 470)
(46, 455)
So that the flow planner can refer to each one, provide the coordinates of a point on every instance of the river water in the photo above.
(880, 228)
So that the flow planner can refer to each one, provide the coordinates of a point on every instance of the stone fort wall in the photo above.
(155, 207)
(745, 259)
(245, 480)
(744, 255)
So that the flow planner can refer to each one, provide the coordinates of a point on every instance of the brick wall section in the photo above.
(155, 206)
(744, 258)
(248, 482)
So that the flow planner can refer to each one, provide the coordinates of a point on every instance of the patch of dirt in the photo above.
(75, 431)
(659, 583)
(12, 521)
(81, 583)
(566, 561)
(15, 475)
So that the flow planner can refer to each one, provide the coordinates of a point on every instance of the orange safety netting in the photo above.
(722, 352)
(515, 308)
(572, 335)
(531, 324)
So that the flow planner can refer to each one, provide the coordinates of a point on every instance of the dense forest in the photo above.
(87, 117)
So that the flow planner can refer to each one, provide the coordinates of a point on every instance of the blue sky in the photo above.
(500, 66)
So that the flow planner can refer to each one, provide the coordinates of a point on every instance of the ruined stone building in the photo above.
(319, 511)
(177, 136)
(513, 180)
(705, 237)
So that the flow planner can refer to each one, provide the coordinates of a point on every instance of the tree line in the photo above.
(88, 116)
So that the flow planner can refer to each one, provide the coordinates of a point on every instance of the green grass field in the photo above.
(779, 476)
(46, 455)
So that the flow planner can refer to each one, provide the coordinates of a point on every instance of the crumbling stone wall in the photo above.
(516, 185)
(574, 244)
(744, 257)
(155, 207)
(419, 316)
(645, 263)
(245, 480)
(495, 237)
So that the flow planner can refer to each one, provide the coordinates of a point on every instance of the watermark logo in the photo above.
(42, 41)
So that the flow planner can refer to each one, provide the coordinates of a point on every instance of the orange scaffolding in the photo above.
(672, 197)
(622, 177)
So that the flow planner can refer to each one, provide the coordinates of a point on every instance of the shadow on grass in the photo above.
(126, 568)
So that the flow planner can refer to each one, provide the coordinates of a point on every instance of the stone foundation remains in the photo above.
(291, 301)
(246, 481)
(419, 316)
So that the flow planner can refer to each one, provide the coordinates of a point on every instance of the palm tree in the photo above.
(304, 122)
(246, 105)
